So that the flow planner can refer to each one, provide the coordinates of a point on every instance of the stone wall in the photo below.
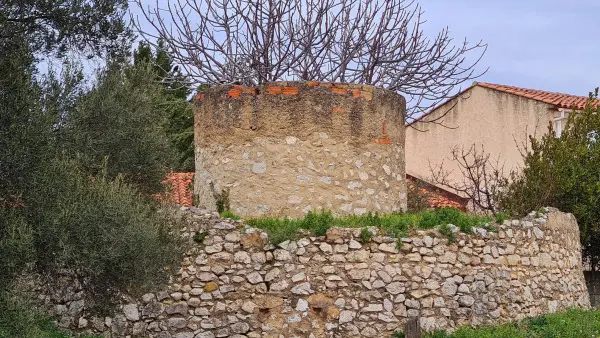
(286, 148)
(237, 285)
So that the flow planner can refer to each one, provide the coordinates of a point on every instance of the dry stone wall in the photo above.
(237, 285)
(285, 148)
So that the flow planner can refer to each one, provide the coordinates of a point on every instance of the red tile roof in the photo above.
(179, 189)
(438, 197)
(560, 100)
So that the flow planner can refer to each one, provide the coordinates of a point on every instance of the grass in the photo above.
(395, 225)
(19, 318)
(575, 323)
(229, 214)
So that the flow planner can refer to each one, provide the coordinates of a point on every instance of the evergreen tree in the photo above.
(180, 123)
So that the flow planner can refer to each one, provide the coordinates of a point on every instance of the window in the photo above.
(557, 128)
(559, 122)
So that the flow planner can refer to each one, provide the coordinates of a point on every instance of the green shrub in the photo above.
(16, 245)
(229, 214)
(398, 334)
(317, 223)
(446, 230)
(20, 319)
(395, 225)
(199, 237)
(122, 119)
(365, 235)
(574, 323)
(104, 230)
(563, 172)
(501, 217)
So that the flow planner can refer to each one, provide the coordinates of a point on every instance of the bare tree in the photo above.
(376, 42)
(481, 178)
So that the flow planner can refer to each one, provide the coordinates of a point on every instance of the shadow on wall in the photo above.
(592, 279)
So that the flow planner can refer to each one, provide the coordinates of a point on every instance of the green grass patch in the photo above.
(395, 225)
(19, 318)
(229, 214)
(574, 323)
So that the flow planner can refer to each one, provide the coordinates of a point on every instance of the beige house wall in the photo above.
(499, 121)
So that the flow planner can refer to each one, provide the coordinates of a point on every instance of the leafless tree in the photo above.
(376, 42)
(481, 179)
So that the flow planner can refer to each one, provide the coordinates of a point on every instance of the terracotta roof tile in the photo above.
(560, 100)
(179, 189)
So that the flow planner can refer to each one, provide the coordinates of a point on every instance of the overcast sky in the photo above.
(540, 44)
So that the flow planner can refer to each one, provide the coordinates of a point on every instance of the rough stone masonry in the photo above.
(236, 284)
(285, 148)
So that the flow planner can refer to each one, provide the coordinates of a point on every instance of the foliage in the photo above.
(24, 147)
(24, 130)
(447, 231)
(398, 334)
(103, 230)
(365, 235)
(180, 122)
(60, 26)
(573, 323)
(501, 217)
(221, 198)
(16, 245)
(19, 319)
(229, 214)
(199, 237)
(563, 172)
(122, 119)
(395, 225)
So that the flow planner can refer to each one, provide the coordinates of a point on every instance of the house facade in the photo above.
(495, 119)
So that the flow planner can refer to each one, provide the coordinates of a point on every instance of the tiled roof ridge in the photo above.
(560, 100)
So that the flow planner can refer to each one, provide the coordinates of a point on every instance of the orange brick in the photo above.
(290, 90)
(274, 90)
(234, 93)
(325, 84)
(356, 93)
(199, 96)
(338, 110)
(341, 91)
(312, 83)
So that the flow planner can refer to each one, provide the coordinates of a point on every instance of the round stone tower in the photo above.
(285, 148)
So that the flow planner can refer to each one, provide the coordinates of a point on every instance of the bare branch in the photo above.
(377, 42)
(481, 179)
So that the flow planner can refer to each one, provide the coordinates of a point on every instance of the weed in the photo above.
(229, 214)
(221, 198)
(446, 230)
(398, 334)
(199, 237)
(365, 235)
(501, 217)
(572, 323)
(399, 243)
(395, 225)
